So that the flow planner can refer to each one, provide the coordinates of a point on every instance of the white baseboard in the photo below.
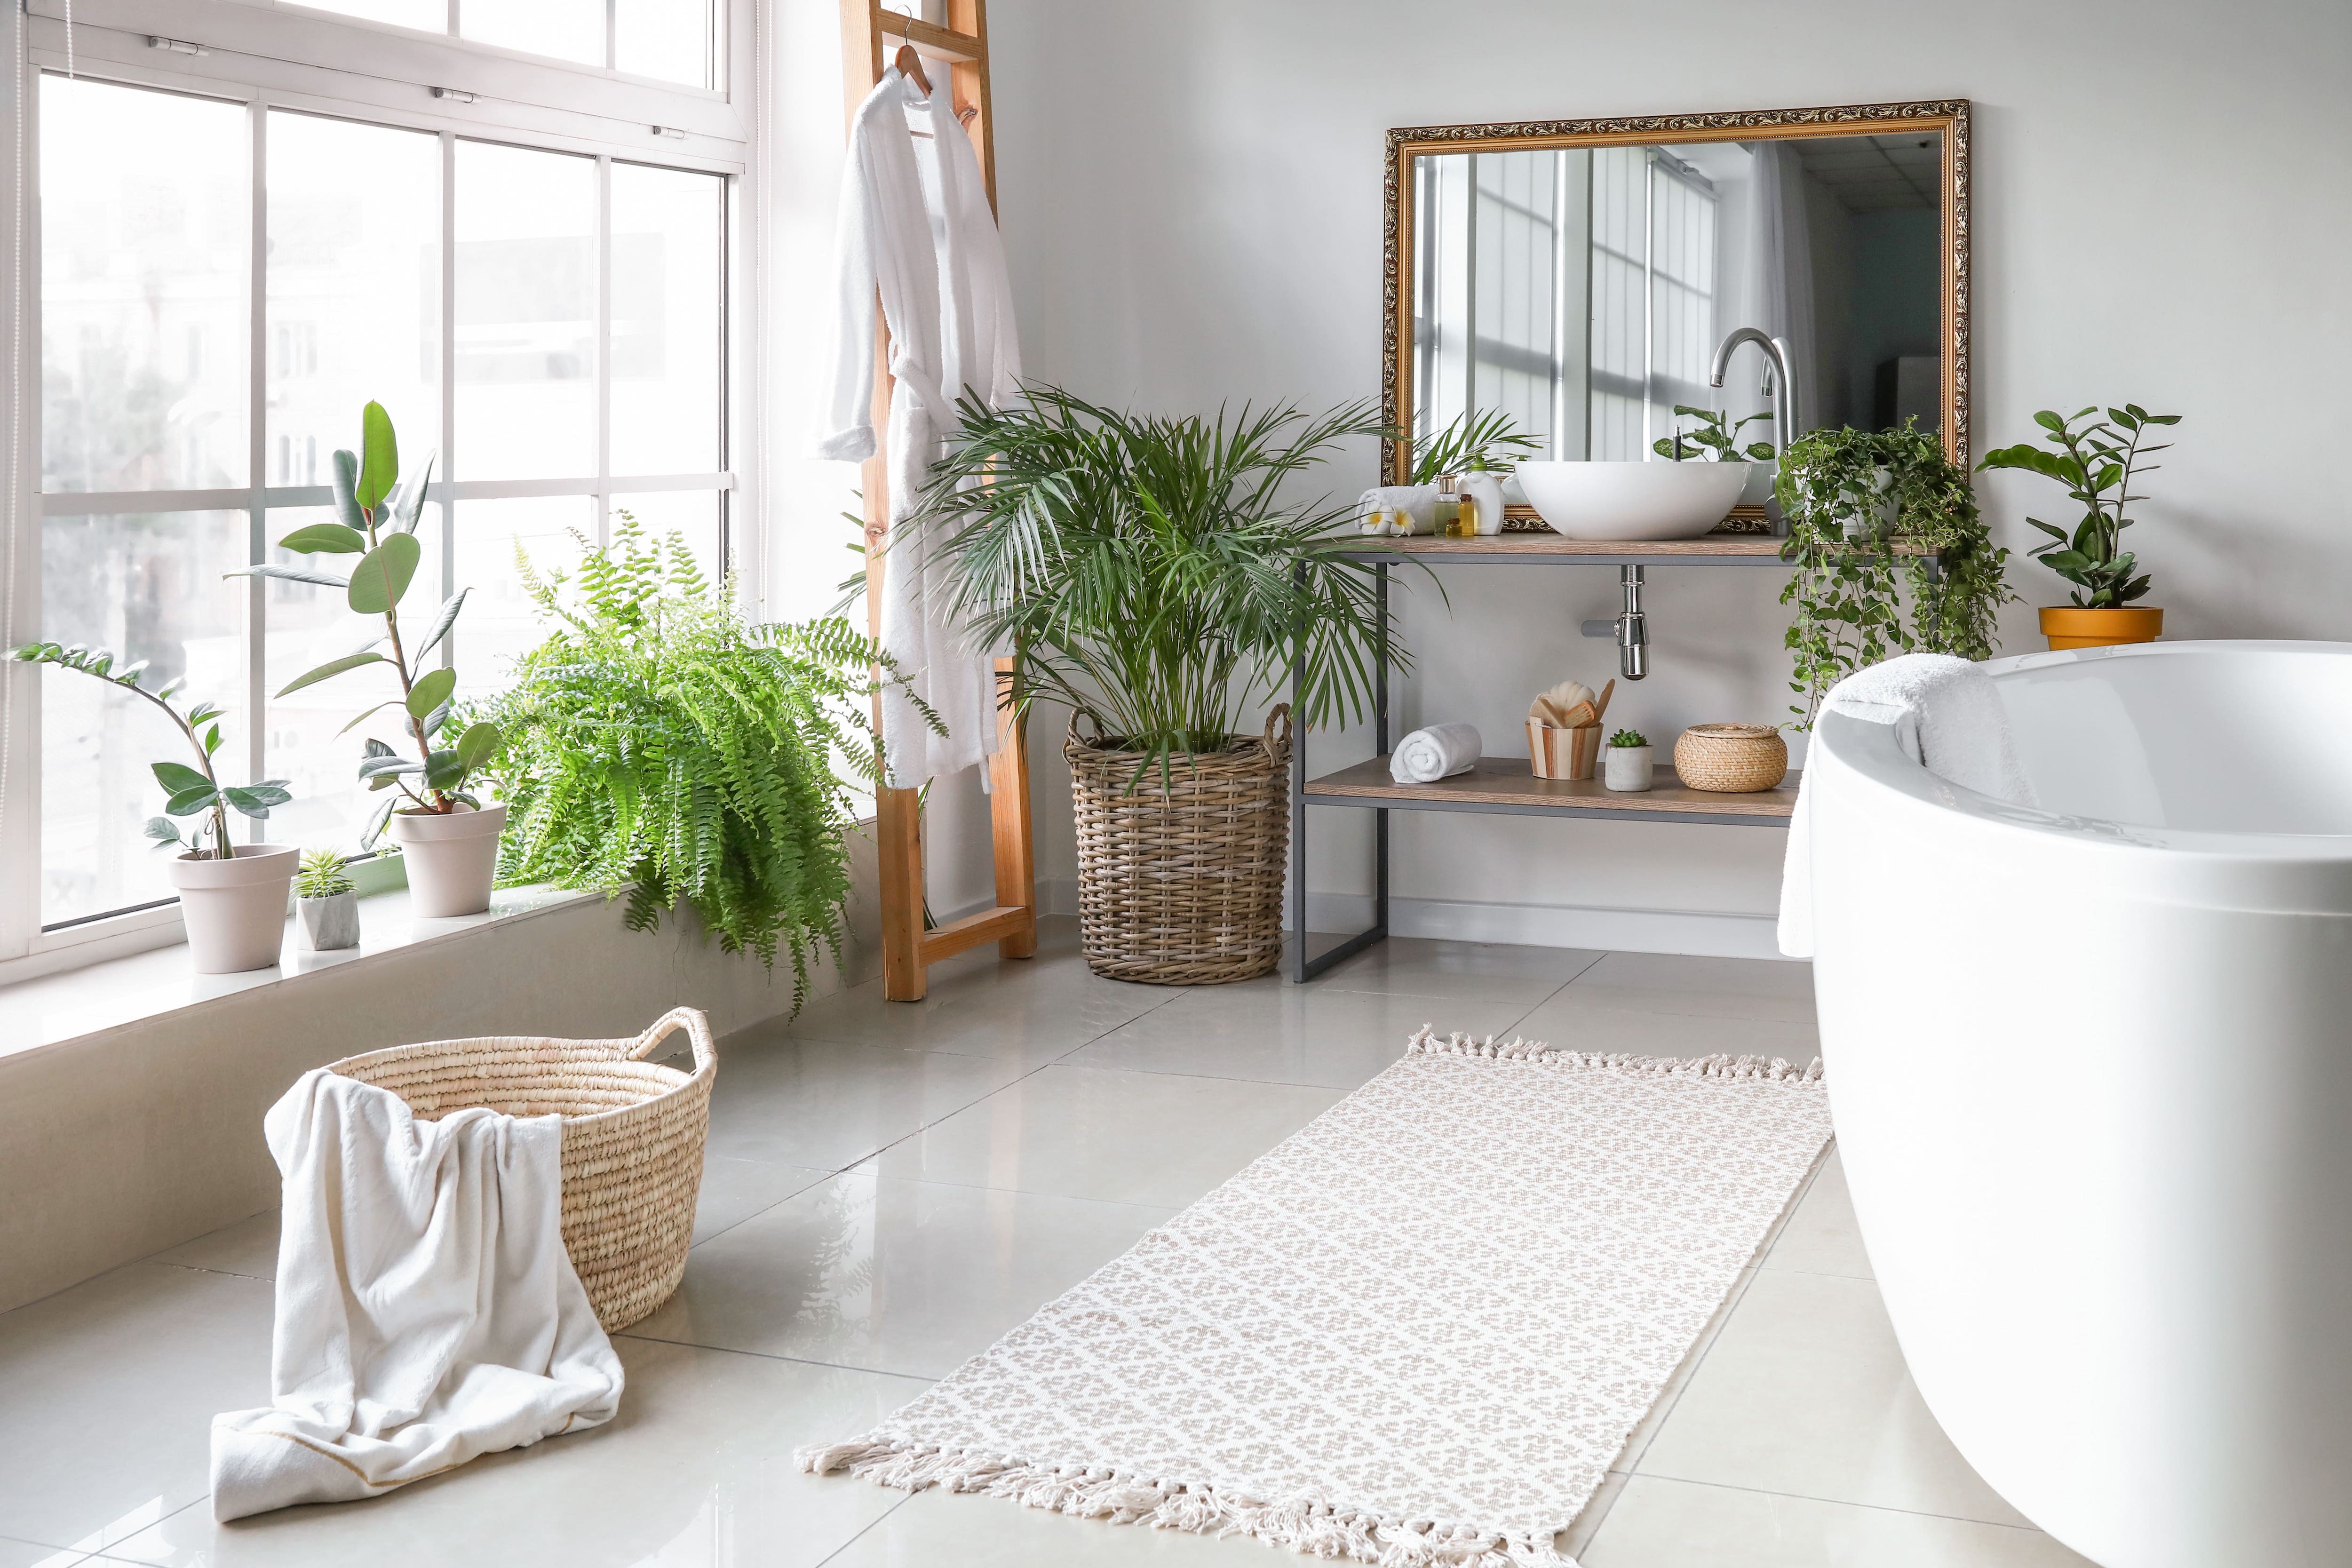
(1700, 935)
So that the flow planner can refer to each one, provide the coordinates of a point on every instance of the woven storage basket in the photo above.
(633, 1136)
(1179, 881)
(1731, 759)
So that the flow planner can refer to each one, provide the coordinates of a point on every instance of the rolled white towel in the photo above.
(1436, 752)
(1420, 501)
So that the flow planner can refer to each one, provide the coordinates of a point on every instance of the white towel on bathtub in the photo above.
(1439, 752)
(1947, 717)
(428, 1312)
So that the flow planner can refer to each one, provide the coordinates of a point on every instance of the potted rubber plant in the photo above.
(232, 897)
(327, 902)
(2096, 460)
(1715, 439)
(450, 838)
(1150, 579)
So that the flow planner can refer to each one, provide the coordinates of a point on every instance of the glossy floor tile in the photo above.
(1274, 1033)
(889, 1187)
(1124, 1137)
(891, 1275)
(1656, 1523)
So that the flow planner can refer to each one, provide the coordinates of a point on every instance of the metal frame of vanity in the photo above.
(1504, 785)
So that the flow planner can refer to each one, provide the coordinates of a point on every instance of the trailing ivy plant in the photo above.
(1864, 507)
(658, 746)
(195, 792)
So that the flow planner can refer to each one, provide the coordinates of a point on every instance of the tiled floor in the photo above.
(891, 1187)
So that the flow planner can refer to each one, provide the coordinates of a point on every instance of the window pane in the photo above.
(427, 15)
(669, 39)
(567, 29)
(355, 281)
(304, 740)
(144, 221)
(144, 587)
(500, 624)
(666, 324)
(693, 515)
(525, 314)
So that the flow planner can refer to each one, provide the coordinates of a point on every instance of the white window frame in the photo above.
(268, 56)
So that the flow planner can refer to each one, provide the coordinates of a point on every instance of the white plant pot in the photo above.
(451, 859)
(235, 909)
(1625, 768)
(330, 924)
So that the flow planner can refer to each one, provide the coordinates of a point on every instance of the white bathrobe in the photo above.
(428, 1312)
(916, 225)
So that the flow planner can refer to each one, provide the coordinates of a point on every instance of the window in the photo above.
(223, 280)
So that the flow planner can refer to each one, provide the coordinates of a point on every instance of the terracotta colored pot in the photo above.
(235, 909)
(452, 859)
(2067, 626)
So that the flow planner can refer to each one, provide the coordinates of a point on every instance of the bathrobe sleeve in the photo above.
(848, 416)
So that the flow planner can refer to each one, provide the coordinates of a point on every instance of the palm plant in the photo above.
(1147, 570)
(1491, 438)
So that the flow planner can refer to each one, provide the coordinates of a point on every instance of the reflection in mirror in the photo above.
(1583, 290)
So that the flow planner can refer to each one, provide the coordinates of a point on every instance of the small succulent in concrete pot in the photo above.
(330, 905)
(1625, 762)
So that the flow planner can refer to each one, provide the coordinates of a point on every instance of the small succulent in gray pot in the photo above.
(1625, 762)
(329, 904)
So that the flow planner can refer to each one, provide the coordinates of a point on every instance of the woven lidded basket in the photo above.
(632, 1137)
(1731, 759)
(1181, 877)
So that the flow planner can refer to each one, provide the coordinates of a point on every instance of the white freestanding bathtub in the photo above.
(2092, 1071)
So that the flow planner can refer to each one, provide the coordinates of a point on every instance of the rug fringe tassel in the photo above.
(1313, 1528)
(1755, 1069)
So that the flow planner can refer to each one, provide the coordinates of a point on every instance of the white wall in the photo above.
(1190, 195)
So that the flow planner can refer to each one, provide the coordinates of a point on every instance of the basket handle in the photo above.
(1281, 712)
(697, 1028)
(1076, 713)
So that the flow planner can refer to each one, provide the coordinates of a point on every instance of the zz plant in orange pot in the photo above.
(2097, 459)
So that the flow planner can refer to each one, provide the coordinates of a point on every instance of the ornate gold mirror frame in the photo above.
(1948, 117)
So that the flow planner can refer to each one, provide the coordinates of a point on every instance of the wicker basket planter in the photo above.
(632, 1137)
(1731, 759)
(1179, 880)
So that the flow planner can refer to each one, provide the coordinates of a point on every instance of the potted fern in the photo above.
(659, 747)
(1151, 579)
(450, 837)
(232, 897)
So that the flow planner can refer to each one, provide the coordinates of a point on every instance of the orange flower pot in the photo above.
(2067, 626)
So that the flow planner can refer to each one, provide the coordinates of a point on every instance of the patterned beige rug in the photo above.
(1416, 1332)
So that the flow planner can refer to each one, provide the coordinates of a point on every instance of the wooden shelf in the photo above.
(1739, 549)
(1505, 785)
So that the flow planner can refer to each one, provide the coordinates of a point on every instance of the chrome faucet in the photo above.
(1784, 382)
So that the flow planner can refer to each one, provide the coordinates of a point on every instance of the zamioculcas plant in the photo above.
(2096, 464)
(195, 792)
(377, 521)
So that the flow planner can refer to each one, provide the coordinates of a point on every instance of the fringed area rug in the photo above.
(1416, 1332)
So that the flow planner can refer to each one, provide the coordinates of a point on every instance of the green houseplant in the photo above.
(660, 747)
(2096, 460)
(1625, 763)
(1715, 439)
(1865, 511)
(1153, 578)
(232, 899)
(450, 837)
(327, 902)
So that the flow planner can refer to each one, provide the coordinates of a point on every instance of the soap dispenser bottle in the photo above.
(1446, 520)
(1482, 487)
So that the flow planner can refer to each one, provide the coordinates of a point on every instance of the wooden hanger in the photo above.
(911, 65)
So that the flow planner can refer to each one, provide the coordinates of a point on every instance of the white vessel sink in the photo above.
(1634, 500)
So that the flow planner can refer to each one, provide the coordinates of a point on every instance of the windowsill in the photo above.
(113, 992)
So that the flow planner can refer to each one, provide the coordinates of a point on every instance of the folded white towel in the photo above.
(1421, 500)
(1947, 717)
(1436, 752)
(428, 1312)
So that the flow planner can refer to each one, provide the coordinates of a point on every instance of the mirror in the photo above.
(1579, 276)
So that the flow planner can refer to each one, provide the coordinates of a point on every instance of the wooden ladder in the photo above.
(908, 949)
